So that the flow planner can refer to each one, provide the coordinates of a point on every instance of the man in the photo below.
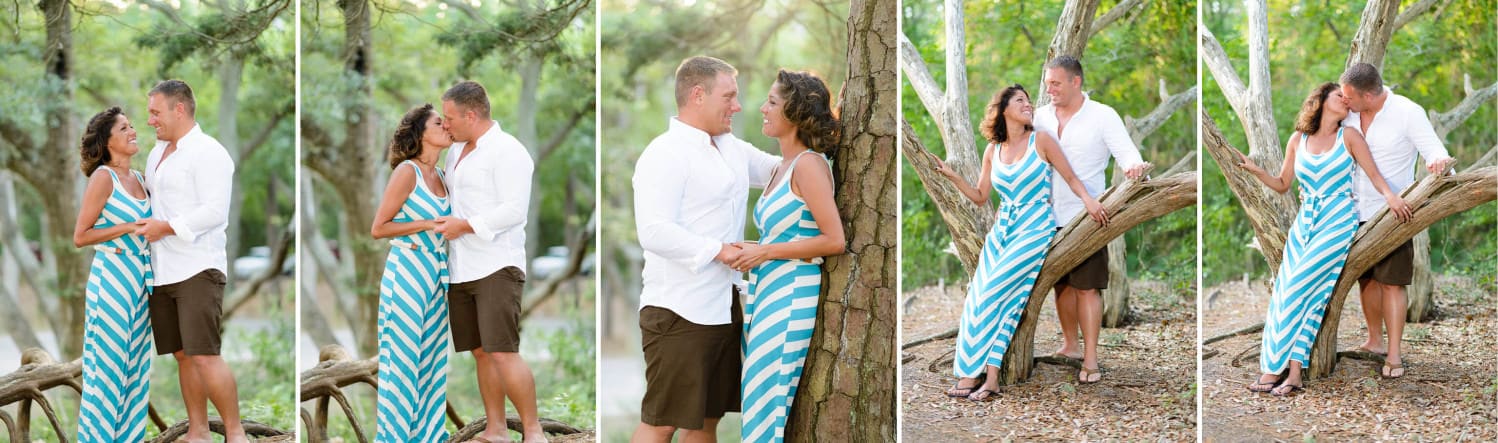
(1396, 129)
(1089, 134)
(488, 176)
(691, 194)
(190, 177)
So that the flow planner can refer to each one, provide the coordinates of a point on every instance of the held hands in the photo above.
(728, 253)
(1137, 172)
(1096, 210)
(452, 227)
(750, 255)
(1398, 207)
(153, 229)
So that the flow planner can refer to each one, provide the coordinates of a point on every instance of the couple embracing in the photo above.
(712, 346)
(1048, 167)
(456, 269)
(157, 275)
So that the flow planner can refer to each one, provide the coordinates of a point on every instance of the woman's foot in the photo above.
(965, 386)
(1089, 376)
(1392, 369)
(1288, 389)
(1266, 383)
(988, 392)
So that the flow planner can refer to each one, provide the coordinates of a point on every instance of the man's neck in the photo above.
(693, 121)
(1070, 106)
(186, 129)
(1377, 103)
(483, 128)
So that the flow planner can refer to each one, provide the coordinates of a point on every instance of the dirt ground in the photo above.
(1447, 393)
(1147, 393)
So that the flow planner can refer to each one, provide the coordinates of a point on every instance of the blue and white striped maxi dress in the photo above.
(1012, 254)
(1314, 254)
(117, 335)
(779, 313)
(414, 334)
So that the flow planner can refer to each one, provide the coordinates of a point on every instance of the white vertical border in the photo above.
(296, 229)
(900, 230)
(598, 298)
(1200, 193)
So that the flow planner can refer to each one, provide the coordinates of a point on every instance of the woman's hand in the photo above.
(752, 255)
(941, 166)
(1398, 207)
(1096, 210)
(1248, 164)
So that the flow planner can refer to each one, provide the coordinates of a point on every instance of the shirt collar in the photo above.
(478, 143)
(697, 136)
(195, 131)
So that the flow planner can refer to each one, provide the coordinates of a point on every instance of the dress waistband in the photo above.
(121, 251)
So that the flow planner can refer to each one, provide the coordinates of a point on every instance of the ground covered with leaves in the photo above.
(1447, 393)
(1147, 393)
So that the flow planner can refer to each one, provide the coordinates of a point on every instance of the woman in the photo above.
(1322, 155)
(414, 334)
(116, 337)
(798, 224)
(1016, 246)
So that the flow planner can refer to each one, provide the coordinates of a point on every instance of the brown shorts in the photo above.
(691, 370)
(1397, 269)
(1091, 274)
(185, 315)
(486, 312)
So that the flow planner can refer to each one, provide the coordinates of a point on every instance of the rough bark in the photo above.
(1375, 28)
(1128, 205)
(1432, 199)
(259, 432)
(846, 392)
(349, 166)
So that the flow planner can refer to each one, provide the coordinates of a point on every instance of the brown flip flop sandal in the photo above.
(1388, 370)
(977, 383)
(992, 394)
(1086, 376)
(1292, 391)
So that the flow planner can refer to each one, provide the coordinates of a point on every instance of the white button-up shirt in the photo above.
(190, 190)
(1397, 133)
(691, 197)
(491, 188)
(1093, 134)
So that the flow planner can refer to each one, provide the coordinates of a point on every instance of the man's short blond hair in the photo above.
(699, 71)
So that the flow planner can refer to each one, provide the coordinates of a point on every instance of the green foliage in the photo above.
(1425, 61)
(1124, 65)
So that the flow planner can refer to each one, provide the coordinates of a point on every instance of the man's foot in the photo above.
(501, 437)
(960, 390)
(191, 437)
(1068, 352)
(1266, 383)
(535, 437)
(1392, 369)
(1089, 376)
(1371, 346)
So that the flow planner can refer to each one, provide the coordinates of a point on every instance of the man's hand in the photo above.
(452, 227)
(1439, 166)
(1138, 171)
(728, 253)
(153, 230)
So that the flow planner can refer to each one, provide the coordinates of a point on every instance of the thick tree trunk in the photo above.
(846, 392)
(1433, 198)
(1073, 30)
(349, 166)
(230, 74)
(56, 175)
(1375, 28)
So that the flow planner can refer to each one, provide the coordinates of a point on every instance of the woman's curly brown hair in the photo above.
(406, 144)
(808, 106)
(94, 148)
(1309, 119)
(993, 126)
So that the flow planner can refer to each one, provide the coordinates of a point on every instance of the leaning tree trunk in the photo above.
(845, 393)
(349, 166)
